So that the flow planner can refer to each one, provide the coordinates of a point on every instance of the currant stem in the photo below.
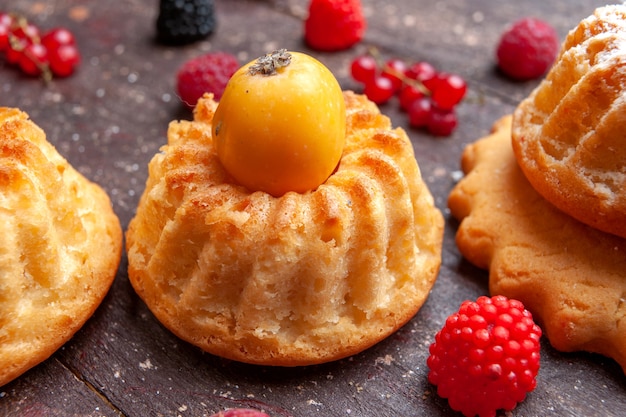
(405, 80)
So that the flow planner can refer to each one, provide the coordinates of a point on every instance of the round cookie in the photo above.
(569, 275)
(60, 248)
(569, 134)
(295, 280)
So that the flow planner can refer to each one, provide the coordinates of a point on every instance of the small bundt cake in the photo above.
(569, 135)
(60, 248)
(299, 279)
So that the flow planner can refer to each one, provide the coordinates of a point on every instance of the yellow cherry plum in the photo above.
(280, 125)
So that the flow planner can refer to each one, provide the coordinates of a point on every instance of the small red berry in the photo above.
(4, 37)
(53, 54)
(442, 122)
(22, 35)
(33, 59)
(5, 29)
(57, 37)
(26, 30)
(527, 49)
(13, 53)
(333, 25)
(395, 70)
(363, 68)
(421, 71)
(420, 111)
(433, 83)
(408, 95)
(380, 89)
(64, 60)
(240, 412)
(428, 97)
(449, 90)
(207, 73)
(486, 356)
(6, 19)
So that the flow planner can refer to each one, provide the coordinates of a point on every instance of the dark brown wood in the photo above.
(111, 117)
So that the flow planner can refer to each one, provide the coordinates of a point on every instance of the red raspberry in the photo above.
(333, 25)
(486, 357)
(527, 49)
(205, 74)
(240, 412)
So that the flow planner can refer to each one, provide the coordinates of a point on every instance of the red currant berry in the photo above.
(27, 31)
(15, 49)
(57, 37)
(6, 19)
(19, 38)
(4, 37)
(449, 90)
(33, 59)
(442, 122)
(408, 94)
(379, 90)
(64, 60)
(421, 71)
(433, 83)
(420, 111)
(363, 68)
(5, 29)
(395, 69)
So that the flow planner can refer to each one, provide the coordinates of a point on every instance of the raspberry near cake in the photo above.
(569, 135)
(298, 279)
(60, 248)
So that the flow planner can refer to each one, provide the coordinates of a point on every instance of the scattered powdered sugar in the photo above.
(146, 364)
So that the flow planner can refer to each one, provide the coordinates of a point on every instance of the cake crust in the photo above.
(60, 248)
(295, 280)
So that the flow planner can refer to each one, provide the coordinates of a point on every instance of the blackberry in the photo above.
(185, 21)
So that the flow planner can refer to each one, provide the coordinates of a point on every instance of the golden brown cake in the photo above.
(569, 135)
(571, 276)
(300, 279)
(60, 248)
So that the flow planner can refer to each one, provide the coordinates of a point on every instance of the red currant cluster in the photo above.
(49, 54)
(429, 97)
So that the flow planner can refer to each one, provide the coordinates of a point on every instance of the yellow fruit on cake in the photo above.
(281, 123)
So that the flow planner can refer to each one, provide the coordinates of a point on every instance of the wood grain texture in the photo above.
(111, 117)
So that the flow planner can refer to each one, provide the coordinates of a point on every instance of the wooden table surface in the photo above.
(111, 117)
